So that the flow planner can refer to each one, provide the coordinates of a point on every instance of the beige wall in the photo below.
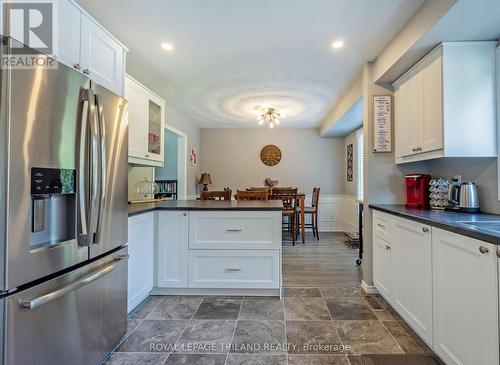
(232, 157)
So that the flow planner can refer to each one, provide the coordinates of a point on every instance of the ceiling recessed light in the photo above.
(167, 46)
(337, 44)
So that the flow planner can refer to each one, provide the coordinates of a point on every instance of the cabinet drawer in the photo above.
(235, 230)
(382, 226)
(234, 269)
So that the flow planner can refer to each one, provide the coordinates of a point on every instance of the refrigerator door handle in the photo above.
(83, 170)
(102, 166)
(85, 280)
(94, 168)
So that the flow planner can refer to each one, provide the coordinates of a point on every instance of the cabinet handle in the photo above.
(425, 229)
(77, 66)
(146, 155)
(234, 230)
(483, 250)
(86, 71)
(184, 214)
(498, 253)
(387, 247)
(233, 269)
(381, 225)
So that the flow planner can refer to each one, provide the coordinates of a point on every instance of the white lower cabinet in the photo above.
(412, 275)
(141, 258)
(382, 268)
(465, 292)
(219, 250)
(172, 244)
(444, 285)
(242, 269)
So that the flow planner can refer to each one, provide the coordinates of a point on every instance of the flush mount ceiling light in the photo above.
(167, 46)
(337, 44)
(270, 116)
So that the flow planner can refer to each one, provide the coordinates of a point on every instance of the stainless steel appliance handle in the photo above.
(83, 169)
(94, 168)
(85, 280)
(102, 167)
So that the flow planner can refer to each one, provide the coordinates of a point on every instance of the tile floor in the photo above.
(324, 318)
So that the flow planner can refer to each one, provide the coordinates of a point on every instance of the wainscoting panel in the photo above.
(337, 213)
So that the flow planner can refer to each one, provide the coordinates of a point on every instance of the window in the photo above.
(360, 153)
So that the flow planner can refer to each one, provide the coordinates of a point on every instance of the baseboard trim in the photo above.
(368, 289)
(201, 291)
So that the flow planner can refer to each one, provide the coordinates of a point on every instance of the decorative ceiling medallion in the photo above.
(270, 155)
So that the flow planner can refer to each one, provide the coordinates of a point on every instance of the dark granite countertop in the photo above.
(482, 226)
(250, 205)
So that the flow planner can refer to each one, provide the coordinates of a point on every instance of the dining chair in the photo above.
(216, 195)
(251, 195)
(289, 198)
(313, 212)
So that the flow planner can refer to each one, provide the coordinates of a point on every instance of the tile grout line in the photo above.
(334, 324)
(187, 324)
(234, 330)
(284, 327)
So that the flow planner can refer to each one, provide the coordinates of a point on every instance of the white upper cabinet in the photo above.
(445, 104)
(146, 124)
(68, 34)
(102, 57)
(465, 295)
(87, 47)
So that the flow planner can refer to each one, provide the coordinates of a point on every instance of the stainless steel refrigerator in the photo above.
(63, 217)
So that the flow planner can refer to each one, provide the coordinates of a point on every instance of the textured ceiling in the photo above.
(232, 56)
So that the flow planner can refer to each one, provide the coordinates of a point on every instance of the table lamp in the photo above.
(205, 180)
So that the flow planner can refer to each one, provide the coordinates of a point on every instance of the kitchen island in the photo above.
(204, 247)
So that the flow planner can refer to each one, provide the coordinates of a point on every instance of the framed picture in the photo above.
(193, 156)
(350, 162)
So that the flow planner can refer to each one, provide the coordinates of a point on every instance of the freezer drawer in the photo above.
(77, 318)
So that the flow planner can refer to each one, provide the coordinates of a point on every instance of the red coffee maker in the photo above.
(417, 190)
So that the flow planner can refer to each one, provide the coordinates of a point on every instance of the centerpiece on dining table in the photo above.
(270, 183)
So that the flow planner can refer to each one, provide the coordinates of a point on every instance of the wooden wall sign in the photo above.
(382, 128)
(270, 155)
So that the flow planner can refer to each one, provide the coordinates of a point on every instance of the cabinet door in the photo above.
(156, 121)
(141, 253)
(102, 57)
(465, 296)
(382, 268)
(430, 102)
(137, 122)
(412, 275)
(406, 115)
(172, 249)
(68, 32)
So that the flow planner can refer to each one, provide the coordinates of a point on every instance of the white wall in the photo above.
(232, 157)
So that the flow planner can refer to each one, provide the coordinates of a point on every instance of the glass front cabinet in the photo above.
(146, 124)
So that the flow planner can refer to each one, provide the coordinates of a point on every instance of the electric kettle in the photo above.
(464, 197)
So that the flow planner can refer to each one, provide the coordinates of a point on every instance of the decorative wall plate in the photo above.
(270, 155)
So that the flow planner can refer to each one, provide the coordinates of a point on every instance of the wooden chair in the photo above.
(289, 199)
(251, 195)
(216, 195)
(313, 212)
